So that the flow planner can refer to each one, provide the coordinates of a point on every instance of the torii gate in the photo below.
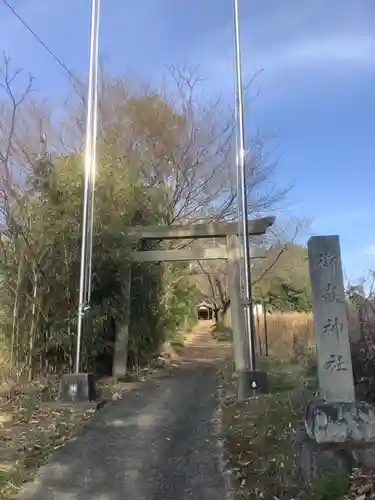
(228, 251)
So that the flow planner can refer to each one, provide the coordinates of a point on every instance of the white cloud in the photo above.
(338, 49)
(331, 54)
(369, 250)
(292, 39)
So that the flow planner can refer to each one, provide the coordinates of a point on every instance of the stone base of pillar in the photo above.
(251, 383)
(336, 422)
(337, 436)
(77, 390)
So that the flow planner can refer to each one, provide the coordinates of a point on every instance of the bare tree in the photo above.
(179, 147)
(212, 277)
(23, 122)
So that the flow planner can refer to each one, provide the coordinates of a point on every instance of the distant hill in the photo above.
(282, 278)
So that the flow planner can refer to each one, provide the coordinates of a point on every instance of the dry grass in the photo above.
(293, 331)
(258, 436)
(288, 332)
(258, 433)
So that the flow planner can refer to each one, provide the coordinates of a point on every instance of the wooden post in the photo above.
(237, 312)
(120, 355)
(265, 326)
(258, 330)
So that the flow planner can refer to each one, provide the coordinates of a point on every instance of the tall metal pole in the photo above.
(241, 169)
(240, 241)
(88, 182)
(238, 179)
(236, 135)
(93, 158)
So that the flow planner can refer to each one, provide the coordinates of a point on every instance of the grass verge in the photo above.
(258, 433)
(259, 446)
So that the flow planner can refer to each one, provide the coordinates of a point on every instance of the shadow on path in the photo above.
(157, 443)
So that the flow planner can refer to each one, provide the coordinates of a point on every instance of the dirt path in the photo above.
(157, 443)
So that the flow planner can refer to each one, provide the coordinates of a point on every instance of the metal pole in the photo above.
(238, 179)
(241, 167)
(93, 159)
(236, 135)
(82, 300)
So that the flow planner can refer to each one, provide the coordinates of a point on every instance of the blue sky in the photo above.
(316, 90)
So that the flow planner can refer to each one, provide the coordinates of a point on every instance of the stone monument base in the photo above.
(335, 422)
(250, 383)
(335, 438)
(77, 390)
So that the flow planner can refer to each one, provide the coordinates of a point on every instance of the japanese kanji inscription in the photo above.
(330, 319)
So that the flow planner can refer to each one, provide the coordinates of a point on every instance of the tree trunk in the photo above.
(225, 307)
(33, 326)
(216, 315)
(13, 357)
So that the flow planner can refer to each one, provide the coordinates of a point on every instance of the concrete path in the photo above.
(157, 443)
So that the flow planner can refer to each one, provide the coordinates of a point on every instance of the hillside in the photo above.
(282, 278)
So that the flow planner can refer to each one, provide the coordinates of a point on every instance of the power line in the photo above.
(44, 45)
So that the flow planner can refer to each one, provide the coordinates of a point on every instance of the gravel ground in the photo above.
(157, 443)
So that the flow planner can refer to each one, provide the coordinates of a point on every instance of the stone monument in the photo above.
(330, 320)
(338, 429)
